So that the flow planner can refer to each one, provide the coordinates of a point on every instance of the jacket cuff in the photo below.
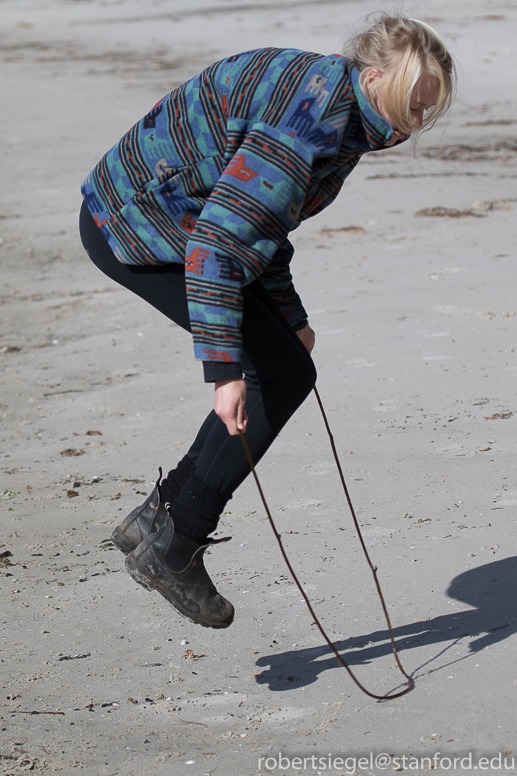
(220, 370)
(301, 325)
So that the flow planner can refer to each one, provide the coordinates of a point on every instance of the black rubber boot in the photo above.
(173, 565)
(146, 518)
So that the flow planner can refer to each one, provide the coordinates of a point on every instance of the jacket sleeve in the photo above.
(247, 217)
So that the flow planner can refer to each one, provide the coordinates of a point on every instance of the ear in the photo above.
(372, 76)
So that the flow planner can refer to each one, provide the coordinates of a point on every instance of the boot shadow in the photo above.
(490, 589)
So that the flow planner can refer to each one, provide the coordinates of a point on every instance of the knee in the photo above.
(306, 376)
(298, 376)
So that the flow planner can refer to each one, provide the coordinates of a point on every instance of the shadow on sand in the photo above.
(491, 589)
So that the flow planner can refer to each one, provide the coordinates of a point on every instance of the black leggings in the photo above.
(278, 369)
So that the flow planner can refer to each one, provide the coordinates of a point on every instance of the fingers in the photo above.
(308, 337)
(237, 422)
(242, 419)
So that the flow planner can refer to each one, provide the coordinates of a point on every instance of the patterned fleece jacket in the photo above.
(222, 169)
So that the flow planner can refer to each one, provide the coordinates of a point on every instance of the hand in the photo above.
(230, 404)
(308, 337)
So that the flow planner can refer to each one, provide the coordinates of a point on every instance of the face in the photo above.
(424, 96)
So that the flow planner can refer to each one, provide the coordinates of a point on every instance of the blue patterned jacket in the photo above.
(223, 168)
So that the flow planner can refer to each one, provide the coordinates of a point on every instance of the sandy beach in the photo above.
(409, 279)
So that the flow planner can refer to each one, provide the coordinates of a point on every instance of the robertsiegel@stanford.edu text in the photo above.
(349, 764)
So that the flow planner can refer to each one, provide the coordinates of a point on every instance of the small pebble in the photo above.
(183, 642)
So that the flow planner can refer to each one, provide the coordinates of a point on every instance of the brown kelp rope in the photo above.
(410, 683)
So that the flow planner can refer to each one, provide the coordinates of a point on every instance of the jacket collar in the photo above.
(376, 129)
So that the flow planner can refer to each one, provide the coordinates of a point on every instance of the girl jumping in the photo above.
(192, 209)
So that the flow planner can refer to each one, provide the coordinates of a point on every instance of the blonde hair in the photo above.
(402, 49)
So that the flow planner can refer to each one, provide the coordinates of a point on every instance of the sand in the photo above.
(416, 323)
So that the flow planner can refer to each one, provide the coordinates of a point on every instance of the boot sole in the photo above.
(150, 584)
